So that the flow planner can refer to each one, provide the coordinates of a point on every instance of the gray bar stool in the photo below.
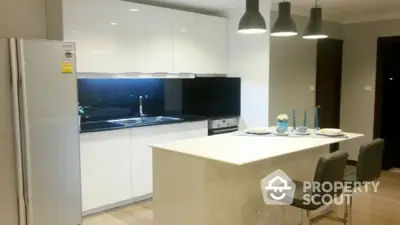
(369, 166)
(330, 169)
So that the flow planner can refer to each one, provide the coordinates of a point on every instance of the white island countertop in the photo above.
(239, 149)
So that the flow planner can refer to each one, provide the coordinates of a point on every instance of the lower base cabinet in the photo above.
(142, 155)
(105, 168)
(117, 166)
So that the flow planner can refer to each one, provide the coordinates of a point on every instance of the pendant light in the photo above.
(252, 22)
(284, 25)
(314, 29)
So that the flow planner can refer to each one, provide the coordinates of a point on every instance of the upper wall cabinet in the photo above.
(211, 44)
(200, 43)
(119, 36)
(93, 26)
(184, 58)
(132, 36)
(159, 33)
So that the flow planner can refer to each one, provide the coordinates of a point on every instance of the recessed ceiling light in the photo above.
(184, 30)
(74, 31)
(133, 10)
(113, 24)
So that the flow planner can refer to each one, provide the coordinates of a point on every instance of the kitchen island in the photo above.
(215, 180)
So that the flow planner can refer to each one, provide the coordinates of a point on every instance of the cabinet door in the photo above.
(142, 154)
(197, 129)
(184, 39)
(132, 36)
(181, 131)
(105, 166)
(159, 34)
(211, 44)
(142, 160)
(93, 26)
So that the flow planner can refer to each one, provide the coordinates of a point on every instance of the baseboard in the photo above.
(352, 162)
(117, 204)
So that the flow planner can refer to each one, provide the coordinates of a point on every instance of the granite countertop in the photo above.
(97, 126)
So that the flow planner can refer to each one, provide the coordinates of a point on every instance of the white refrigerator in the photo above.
(45, 130)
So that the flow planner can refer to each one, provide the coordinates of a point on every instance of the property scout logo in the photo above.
(278, 189)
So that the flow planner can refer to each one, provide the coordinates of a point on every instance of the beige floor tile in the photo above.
(103, 219)
(134, 214)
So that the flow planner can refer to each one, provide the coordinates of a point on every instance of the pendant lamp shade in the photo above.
(284, 25)
(314, 29)
(252, 22)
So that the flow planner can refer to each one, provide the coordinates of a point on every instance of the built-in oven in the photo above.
(223, 125)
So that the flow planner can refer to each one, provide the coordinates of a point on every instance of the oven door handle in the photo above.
(224, 130)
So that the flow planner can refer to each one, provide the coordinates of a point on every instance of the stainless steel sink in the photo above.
(128, 122)
(162, 118)
(144, 120)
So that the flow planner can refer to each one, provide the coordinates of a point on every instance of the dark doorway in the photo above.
(387, 94)
(328, 84)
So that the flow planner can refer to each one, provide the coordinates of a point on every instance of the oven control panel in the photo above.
(223, 123)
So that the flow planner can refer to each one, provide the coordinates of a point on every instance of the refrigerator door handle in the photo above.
(24, 127)
(15, 82)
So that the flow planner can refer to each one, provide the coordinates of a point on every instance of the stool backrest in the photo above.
(330, 169)
(369, 165)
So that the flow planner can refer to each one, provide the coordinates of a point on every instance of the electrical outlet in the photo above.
(311, 88)
(367, 88)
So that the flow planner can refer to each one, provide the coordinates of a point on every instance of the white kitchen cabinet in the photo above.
(184, 40)
(159, 35)
(105, 168)
(93, 26)
(121, 36)
(132, 36)
(142, 160)
(141, 153)
(211, 44)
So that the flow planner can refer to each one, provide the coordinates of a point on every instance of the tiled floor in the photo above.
(368, 209)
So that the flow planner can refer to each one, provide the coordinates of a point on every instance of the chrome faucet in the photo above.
(141, 106)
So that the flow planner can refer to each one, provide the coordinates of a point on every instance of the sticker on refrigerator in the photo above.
(66, 66)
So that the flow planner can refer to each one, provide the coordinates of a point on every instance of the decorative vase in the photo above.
(282, 127)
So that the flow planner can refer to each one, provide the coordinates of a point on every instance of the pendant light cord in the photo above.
(316, 3)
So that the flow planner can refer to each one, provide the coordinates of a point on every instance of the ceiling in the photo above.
(335, 10)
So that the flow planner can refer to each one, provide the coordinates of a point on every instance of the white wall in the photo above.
(248, 58)
(18, 18)
(24, 18)
(359, 69)
(293, 70)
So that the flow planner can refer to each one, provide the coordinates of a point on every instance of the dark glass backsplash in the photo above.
(212, 97)
(105, 99)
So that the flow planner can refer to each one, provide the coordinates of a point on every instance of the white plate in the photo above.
(307, 133)
(258, 130)
(330, 132)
